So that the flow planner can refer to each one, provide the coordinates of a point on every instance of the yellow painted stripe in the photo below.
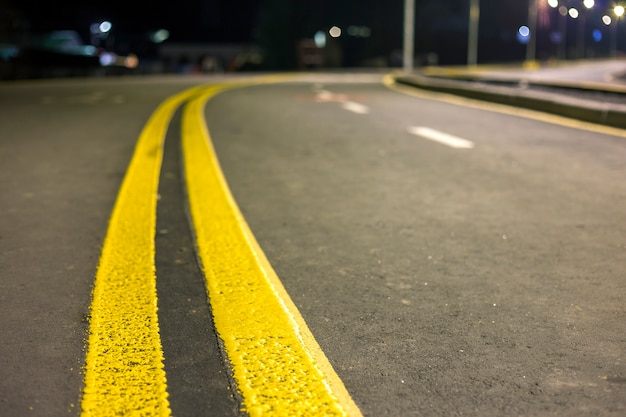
(124, 373)
(277, 365)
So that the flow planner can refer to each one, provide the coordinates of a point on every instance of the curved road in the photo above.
(449, 257)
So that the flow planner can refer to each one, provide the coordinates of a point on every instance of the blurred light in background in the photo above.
(359, 31)
(523, 34)
(160, 35)
(320, 39)
(597, 35)
(524, 31)
(105, 26)
(573, 13)
(90, 49)
(107, 59)
(131, 61)
(607, 20)
(553, 3)
(556, 37)
(101, 29)
(335, 32)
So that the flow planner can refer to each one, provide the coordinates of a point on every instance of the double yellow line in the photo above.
(277, 365)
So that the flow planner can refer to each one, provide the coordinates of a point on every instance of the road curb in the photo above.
(513, 93)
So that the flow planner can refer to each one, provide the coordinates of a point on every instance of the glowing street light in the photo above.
(334, 32)
(105, 27)
(100, 31)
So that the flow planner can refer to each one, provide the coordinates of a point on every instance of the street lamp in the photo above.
(409, 35)
(100, 31)
(582, 27)
(619, 12)
(472, 42)
(562, 39)
(531, 46)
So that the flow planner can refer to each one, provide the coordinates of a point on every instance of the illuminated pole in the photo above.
(472, 43)
(409, 35)
(531, 46)
(563, 44)
(582, 26)
(619, 12)
(562, 10)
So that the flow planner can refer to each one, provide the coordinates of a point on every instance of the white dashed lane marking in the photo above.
(441, 137)
(355, 107)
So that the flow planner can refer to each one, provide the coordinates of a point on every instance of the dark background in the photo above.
(277, 25)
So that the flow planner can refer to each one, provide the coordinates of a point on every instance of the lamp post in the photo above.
(409, 36)
(575, 14)
(619, 12)
(563, 11)
(531, 46)
(582, 27)
(100, 31)
(472, 38)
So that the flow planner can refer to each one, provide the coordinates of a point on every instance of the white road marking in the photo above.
(441, 137)
(325, 96)
(355, 107)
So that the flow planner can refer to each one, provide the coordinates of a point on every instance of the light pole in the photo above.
(472, 36)
(562, 9)
(531, 46)
(575, 14)
(409, 36)
(582, 27)
(100, 31)
(619, 12)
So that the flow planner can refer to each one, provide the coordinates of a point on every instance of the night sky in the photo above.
(187, 20)
(191, 20)
(441, 25)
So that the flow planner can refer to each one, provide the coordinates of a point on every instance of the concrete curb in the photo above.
(513, 93)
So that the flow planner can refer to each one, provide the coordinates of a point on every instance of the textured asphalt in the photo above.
(483, 282)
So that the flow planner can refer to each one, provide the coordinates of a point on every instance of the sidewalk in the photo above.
(592, 91)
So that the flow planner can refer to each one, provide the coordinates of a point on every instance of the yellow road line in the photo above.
(124, 372)
(277, 365)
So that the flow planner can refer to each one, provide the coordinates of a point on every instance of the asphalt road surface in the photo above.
(449, 258)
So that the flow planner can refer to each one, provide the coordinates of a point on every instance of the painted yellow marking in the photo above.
(277, 365)
(124, 372)
(390, 83)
